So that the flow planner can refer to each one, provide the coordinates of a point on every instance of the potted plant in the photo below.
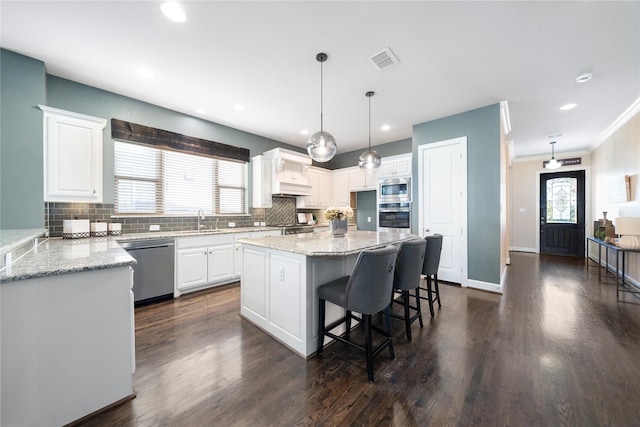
(338, 217)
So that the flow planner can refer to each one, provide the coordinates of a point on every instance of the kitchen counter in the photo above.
(324, 244)
(55, 256)
(281, 276)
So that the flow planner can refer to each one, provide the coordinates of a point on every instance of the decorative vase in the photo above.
(338, 227)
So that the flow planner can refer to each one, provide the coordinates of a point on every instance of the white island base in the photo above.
(281, 275)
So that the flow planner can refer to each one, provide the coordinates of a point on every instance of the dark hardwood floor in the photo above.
(556, 349)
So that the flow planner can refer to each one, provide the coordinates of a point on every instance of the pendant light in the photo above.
(369, 160)
(553, 163)
(321, 146)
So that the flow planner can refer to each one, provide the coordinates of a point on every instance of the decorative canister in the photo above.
(338, 227)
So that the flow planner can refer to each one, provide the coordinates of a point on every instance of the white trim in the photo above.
(462, 142)
(504, 117)
(522, 249)
(627, 115)
(487, 286)
(64, 113)
(587, 198)
(545, 157)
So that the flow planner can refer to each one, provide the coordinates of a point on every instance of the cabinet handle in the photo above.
(205, 252)
(94, 191)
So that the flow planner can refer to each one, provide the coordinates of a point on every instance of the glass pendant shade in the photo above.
(322, 146)
(369, 160)
(553, 163)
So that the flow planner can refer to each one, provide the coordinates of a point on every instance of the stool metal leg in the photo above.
(429, 294)
(407, 317)
(435, 279)
(418, 306)
(387, 327)
(368, 346)
(321, 315)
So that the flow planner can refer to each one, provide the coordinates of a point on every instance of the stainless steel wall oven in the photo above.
(394, 216)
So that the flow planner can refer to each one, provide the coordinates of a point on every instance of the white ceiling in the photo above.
(454, 57)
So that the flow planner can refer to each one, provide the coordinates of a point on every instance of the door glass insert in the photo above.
(562, 200)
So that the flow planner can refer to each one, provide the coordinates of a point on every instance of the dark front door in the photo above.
(562, 213)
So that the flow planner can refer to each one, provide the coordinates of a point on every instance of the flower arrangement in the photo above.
(338, 212)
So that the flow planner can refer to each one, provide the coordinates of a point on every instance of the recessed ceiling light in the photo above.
(173, 11)
(566, 107)
(201, 111)
(145, 72)
(385, 128)
(583, 78)
(238, 107)
(304, 132)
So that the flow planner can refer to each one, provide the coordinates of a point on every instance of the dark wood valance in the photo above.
(158, 138)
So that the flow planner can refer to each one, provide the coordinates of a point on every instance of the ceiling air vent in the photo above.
(383, 59)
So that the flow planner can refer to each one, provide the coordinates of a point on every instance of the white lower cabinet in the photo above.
(203, 261)
(211, 260)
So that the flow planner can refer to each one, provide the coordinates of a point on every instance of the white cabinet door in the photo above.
(340, 188)
(356, 179)
(312, 180)
(237, 262)
(262, 168)
(72, 156)
(288, 171)
(324, 188)
(191, 267)
(395, 166)
(286, 292)
(220, 262)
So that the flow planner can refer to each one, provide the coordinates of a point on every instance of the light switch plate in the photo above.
(232, 224)
(154, 227)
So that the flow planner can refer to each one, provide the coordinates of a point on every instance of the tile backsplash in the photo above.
(55, 213)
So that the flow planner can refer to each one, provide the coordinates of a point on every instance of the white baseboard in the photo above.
(612, 267)
(521, 249)
(485, 286)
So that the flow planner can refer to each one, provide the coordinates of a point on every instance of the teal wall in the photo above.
(79, 98)
(22, 88)
(366, 207)
(345, 160)
(482, 129)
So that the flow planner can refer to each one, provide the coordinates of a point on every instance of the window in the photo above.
(162, 182)
(562, 200)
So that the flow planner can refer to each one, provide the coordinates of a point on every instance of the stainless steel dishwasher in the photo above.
(153, 274)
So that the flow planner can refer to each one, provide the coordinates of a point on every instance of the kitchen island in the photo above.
(67, 335)
(281, 275)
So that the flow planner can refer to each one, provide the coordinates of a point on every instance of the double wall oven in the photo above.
(394, 204)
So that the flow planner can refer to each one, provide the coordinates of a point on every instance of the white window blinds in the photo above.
(154, 181)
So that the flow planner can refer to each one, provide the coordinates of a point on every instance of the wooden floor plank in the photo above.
(555, 349)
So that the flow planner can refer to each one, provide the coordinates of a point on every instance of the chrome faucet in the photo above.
(200, 216)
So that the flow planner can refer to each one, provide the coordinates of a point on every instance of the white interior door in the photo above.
(443, 203)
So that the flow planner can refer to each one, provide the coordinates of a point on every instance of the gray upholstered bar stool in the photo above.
(365, 291)
(407, 277)
(430, 269)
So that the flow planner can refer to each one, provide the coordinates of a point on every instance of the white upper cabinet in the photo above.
(392, 166)
(262, 169)
(72, 156)
(340, 187)
(360, 180)
(320, 181)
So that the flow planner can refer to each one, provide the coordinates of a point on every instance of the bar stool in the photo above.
(430, 269)
(409, 263)
(365, 291)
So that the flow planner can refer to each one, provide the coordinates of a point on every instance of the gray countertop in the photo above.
(12, 239)
(323, 244)
(54, 256)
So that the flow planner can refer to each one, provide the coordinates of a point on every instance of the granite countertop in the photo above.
(55, 256)
(61, 256)
(13, 239)
(321, 244)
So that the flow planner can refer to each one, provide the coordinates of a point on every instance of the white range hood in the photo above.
(289, 172)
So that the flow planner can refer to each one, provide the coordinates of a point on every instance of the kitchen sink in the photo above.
(197, 231)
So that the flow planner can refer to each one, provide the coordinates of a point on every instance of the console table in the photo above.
(618, 273)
